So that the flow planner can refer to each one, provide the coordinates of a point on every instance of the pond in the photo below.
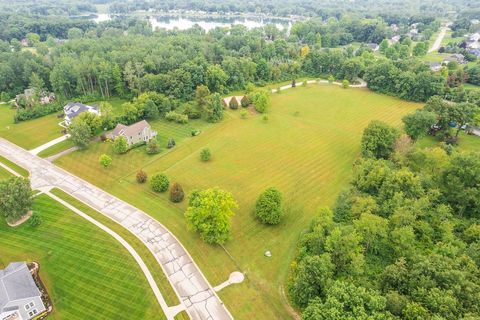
(206, 23)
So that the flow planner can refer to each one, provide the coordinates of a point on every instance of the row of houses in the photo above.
(456, 57)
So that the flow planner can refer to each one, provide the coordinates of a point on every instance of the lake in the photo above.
(206, 23)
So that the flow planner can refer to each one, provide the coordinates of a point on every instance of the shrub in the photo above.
(195, 132)
(279, 90)
(261, 100)
(265, 118)
(192, 112)
(244, 114)
(170, 143)
(141, 176)
(268, 207)
(294, 83)
(35, 220)
(331, 79)
(205, 154)
(233, 104)
(152, 146)
(120, 145)
(159, 183)
(345, 84)
(4, 97)
(245, 102)
(176, 117)
(176, 193)
(105, 160)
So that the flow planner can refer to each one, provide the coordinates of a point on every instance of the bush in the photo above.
(345, 84)
(244, 114)
(233, 104)
(176, 193)
(141, 176)
(176, 117)
(105, 160)
(265, 118)
(268, 207)
(245, 102)
(192, 112)
(120, 145)
(37, 111)
(159, 183)
(152, 146)
(35, 220)
(195, 132)
(261, 100)
(294, 83)
(331, 79)
(170, 143)
(205, 154)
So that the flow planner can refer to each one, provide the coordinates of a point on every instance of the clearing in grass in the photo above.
(305, 150)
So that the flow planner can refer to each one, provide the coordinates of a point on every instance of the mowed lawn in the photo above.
(306, 149)
(88, 274)
(28, 134)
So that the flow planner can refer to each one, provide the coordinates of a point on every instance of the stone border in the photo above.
(22, 220)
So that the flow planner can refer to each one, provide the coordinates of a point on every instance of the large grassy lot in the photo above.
(87, 273)
(306, 149)
(28, 134)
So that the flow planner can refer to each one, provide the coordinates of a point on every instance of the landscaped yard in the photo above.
(88, 274)
(28, 134)
(4, 174)
(306, 149)
(465, 142)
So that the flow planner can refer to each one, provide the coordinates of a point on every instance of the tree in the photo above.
(205, 154)
(233, 104)
(245, 102)
(373, 230)
(120, 145)
(201, 96)
(209, 213)
(268, 207)
(176, 193)
(151, 110)
(105, 160)
(378, 140)
(420, 49)
(311, 279)
(214, 108)
(75, 33)
(152, 146)
(344, 246)
(159, 183)
(460, 184)
(35, 220)
(141, 176)
(80, 133)
(418, 124)
(383, 46)
(15, 198)
(260, 100)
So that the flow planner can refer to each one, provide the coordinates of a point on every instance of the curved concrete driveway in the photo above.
(197, 295)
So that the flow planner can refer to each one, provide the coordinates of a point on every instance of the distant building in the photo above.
(395, 39)
(135, 133)
(373, 46)
(29, 98)
(457, 57)
(73, 109)
(20, 298)
(435, 66)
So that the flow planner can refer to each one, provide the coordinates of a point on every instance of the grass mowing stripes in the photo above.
(88, 274)
(57, 148)
(152, 264)
(4, 174)
(21, 171)
(306, 149)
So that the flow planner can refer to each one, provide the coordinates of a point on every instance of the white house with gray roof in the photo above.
(73, 109)
(135, 133)
(20, 298)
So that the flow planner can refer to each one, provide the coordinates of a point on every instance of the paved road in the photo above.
(189, 283)
(362, 84)
(438, 41)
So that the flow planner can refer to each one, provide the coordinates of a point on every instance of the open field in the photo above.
(305, 149)
(28, 134)
(465, 143)
(57, 148)
(4, 174)
(87, 273)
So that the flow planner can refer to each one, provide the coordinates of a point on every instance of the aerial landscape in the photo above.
(220, 159)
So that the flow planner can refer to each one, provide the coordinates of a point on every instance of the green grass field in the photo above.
(305, 149)
(4, 174)
(21, 171)
(28, 134)
(465, 142)
(88, 274)
(57, 148)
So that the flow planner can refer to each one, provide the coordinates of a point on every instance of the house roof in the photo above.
(16, 282)
(73, 109)
(131, 130)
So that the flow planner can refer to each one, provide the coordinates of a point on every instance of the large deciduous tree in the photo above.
(419, 123)
(209, 213)
(269, 207)
(15, 198)
(378, 140)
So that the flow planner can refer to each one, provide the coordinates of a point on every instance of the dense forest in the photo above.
(402, 242)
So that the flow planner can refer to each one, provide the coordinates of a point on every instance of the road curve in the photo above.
(194, 291)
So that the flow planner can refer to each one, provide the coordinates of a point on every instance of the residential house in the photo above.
(226, 101)
(73, 109)
(20, 298)
(395, 39)
(373, 46)
(29, 98)
(135, 133)
(435, 66)
(457, 57)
